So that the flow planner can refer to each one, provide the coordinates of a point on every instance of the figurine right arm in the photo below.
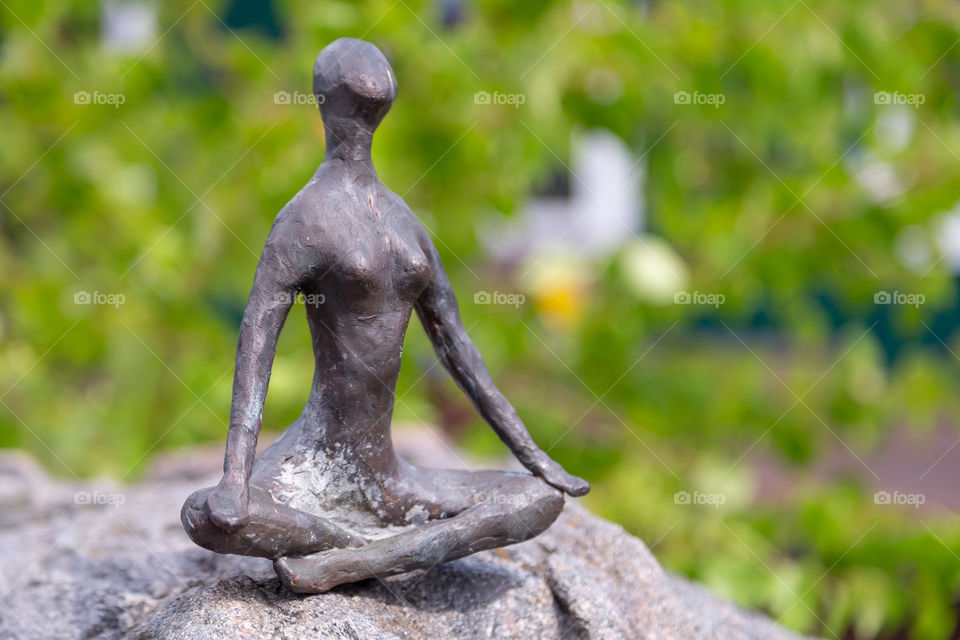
(275, 287)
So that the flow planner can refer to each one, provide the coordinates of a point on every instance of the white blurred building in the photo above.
(603, 209)
(128, 26)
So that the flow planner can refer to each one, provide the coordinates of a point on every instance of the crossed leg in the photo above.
(273, 531)
(485, 510)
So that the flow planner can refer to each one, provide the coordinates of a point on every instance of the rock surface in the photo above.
(102, 561)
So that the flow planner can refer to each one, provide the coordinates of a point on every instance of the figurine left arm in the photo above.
(440, 317)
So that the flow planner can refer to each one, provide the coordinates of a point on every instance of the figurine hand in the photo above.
(228, 504)
(556, 476)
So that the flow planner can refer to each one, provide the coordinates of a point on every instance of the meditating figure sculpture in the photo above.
(330, 502)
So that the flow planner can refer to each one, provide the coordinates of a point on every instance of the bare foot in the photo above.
(318, 572)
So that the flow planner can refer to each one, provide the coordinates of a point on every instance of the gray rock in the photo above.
(100, 561)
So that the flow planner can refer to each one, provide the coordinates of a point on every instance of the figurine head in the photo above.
(352, 80)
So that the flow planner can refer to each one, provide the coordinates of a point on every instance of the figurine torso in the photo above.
(363, 258)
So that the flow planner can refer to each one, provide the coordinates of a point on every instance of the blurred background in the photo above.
(710, 251)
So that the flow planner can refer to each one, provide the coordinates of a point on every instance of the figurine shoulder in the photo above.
(296, 246)
(410, 222)
(311, 218)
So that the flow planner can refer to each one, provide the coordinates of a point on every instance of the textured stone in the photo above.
(101, 561)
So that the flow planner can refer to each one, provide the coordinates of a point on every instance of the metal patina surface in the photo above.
(330, 502)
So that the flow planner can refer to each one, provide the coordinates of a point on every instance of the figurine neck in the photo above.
(349, 142)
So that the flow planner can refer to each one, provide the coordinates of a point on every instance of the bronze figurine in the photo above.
(330, 502)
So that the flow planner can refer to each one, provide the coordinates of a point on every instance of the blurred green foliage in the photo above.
(167, 198)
